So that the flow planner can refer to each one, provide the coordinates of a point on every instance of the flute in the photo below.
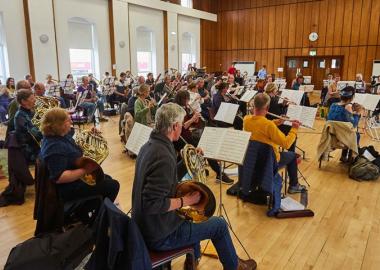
(287, 119)
(286, 99)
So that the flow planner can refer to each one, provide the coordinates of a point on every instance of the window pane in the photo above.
(292, 63)
(144, 62)
(322, 63)
(187, 3)
(81, 62)
(335, 63)
(305, 63)
(2, 65)
(187, 58)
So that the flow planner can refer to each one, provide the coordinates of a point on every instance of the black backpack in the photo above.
(53, 251)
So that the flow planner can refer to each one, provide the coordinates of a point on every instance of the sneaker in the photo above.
(296, 189)
(246, 264)
(225, 179)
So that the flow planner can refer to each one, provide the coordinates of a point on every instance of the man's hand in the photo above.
(191, 198)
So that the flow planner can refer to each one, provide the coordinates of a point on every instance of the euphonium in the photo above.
(42, 105)
(195, 164)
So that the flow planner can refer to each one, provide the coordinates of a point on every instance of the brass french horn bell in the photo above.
(206, 206)
(93, 177)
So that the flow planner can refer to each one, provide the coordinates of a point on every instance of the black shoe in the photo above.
(225, 179)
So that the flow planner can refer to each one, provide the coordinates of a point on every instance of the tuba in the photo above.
(195, 164)
(42, 105)
(95, 151)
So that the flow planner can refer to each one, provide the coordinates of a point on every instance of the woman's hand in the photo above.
(195, 117)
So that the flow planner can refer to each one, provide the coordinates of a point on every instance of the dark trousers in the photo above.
(108, 188)
(289, 159)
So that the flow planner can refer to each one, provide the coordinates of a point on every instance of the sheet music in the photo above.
(248, 95)
(139, 136)
(227, 112)
(224, 144)
(292, 95)
(343, 84)
(306, 115)
(368, 101)
(308, 88)
(289, 204)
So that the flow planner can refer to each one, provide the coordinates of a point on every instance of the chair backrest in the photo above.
(259, 168)
(119, 243)
(48, 209)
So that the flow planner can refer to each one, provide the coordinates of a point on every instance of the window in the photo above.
(335, 63)
(305, 63)
(83, 48)
(188, 51)
(321, 63)
(292, 63)
(145, 51)
(3, 58)
(187, 3)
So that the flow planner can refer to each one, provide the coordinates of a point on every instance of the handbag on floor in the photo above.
(52, 251)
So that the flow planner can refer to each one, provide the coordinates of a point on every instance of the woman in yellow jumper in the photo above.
(266, 131)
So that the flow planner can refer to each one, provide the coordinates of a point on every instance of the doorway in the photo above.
(317, 67)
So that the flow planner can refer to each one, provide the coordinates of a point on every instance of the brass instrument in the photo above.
(95, 149)
(195, 164)
(42, 105)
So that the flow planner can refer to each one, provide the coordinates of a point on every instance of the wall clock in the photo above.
(313, 36)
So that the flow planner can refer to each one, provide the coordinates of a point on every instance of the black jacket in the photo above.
(155, 183)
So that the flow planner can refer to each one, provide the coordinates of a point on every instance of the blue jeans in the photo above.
(89, 108)
(289, 159)
(189, 233)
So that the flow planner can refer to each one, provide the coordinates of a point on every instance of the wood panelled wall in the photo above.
(268, 31)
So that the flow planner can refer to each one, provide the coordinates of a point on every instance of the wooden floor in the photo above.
(344, 234)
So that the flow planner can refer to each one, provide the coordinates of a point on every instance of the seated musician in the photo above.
(260, 85)
(10, 85)
(29, 78)
(121, 91)
(144, 108)
(296, 86)
(239, 80)
(214, 89)
(346, 111)
(192, 129)
(4, 103)
(278, 108)
(325, 87)
(89, 101)
(217, 100)
(149, 79)
(269, 79)
(197, 100)
(233, 93)
(163, 88)
(360, 85)
(68, 91)
(267, 131)
(53, 90)
(154, 202)
(59, 152)
(204, 93)
(333, 93)
(28, 137)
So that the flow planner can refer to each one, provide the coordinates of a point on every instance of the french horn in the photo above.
(196, 167)
(42, 105)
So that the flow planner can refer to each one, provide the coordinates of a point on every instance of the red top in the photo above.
(232, 70)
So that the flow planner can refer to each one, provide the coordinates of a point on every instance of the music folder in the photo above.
(248, 95)
(139, 136)
(224, 144)
(227, 112)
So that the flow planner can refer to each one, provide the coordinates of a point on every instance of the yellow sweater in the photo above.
(266, 131)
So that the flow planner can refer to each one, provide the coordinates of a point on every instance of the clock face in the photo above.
(313, 36)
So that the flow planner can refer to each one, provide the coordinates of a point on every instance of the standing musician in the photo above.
(238, 78)
(89, 101)
(217, 99)
(267, 131)
(59, 152)
(68, 90)
(154, 202)
(192, 129)
(144, 108)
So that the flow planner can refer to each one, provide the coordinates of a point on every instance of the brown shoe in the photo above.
(190, 264)
(246, 264)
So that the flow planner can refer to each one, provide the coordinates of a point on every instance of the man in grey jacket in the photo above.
(154, 202)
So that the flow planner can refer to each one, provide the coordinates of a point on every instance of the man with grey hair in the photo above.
(154, 202)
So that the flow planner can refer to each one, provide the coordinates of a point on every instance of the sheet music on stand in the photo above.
(292, 95)
(54, 91)
(68, 86)
(109, 86)
(248, 95)
(307, 88)
(368, 101)
(139, 136)
(343, 84)
(227, 112)
(224, 144)
(306, 115)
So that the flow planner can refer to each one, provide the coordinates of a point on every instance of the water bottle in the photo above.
(304, 198)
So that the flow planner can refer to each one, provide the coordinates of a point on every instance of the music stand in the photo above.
(217, 144)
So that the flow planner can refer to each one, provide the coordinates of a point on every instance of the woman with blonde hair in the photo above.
(60, 152)
(144, 108)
